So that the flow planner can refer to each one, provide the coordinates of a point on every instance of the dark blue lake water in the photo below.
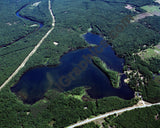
(34, 83)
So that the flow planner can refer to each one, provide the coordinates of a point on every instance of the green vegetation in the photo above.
(128, 42)
(136, 3)
(150, 53)
(38, 13)
(72, 19)
(113, 75)
(151, 8)
(55, 110)
(139, 118)
(151, 23)
(157, 79)
(77, 93)
(108, 121)
(13, 55)
(12, 27)
(147, 64)
(151, 91)
(145, 84)
(89, 125)
(68, 27)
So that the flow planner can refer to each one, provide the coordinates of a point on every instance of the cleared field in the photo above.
(150, 52)
(151, 8)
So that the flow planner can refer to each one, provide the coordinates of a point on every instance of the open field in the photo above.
(77, 93)
(150, 52)
(151, 8)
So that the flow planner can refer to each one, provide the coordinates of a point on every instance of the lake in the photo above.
(34, 83)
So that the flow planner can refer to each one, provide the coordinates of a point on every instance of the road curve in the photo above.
(110, 113)
(33, 51)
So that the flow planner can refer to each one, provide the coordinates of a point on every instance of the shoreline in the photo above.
(54, 65)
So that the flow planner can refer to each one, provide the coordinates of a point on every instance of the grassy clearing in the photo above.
(151, 8)
(79, 97)
(77, 93)
(150, 53)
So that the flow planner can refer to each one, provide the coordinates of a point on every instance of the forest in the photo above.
(139, 118)
(12, 27)
(56, 110)
(73, 18)
(89, 125)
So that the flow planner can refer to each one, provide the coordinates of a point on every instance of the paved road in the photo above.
(111, 113)
(33, 51)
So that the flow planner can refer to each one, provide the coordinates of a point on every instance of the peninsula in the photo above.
(113, 75)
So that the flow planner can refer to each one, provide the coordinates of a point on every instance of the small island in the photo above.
(113, 75)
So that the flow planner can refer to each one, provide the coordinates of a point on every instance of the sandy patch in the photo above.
(9, 23)
(15, 23)
(158, 1)
(34, 25)
(157, 13)
(128, 7)
(129, 71)
(27, 113)
(36, 4)
(151, 11)
(158, 52)
(126, 80)
(55, 43)
(141, 16)
(158, 46)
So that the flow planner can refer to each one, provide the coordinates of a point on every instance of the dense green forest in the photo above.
(114, 76)
(149, 88)
(139, 118)
(73, 18)
(89, 125)
(55, 110)
(13, 27)
(66, 27)
(13, 55)
(133, 39)
(152, 23)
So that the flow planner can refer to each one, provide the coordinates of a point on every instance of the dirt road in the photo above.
(143, 105)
